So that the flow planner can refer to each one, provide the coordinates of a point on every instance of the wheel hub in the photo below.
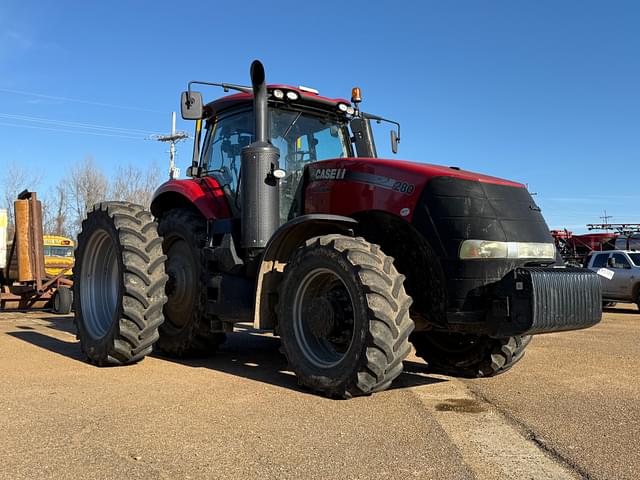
(323, 318)
(181, 288)
(319, 316)
(99, 287)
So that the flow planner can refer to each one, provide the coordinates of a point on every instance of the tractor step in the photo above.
(230, 298)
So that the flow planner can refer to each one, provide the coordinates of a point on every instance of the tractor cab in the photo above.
(302, 125)
(302, 136)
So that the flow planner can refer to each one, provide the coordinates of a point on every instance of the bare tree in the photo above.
(55, 205)
(16, 179)
(87, 186)
(135, 184)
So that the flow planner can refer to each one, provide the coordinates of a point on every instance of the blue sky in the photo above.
(544, 92)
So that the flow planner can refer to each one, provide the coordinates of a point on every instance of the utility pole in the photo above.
(173, 138)
(606, 217)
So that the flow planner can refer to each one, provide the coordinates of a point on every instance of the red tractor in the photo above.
(291, 222)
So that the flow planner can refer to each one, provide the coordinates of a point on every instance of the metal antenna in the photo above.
(172, 138)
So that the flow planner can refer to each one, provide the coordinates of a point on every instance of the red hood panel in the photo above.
(347, 186)
(425, 171)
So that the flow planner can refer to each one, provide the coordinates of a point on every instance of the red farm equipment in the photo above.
(574, 249)
(289, 221)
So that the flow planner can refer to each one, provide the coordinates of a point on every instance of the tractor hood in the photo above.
(386, 173)
(446, 205)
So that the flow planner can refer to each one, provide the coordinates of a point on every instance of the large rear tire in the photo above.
(344, 317)
(468, 356)
(119, 284)
(186, 332)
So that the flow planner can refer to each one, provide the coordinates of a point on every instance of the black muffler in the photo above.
(258, 186)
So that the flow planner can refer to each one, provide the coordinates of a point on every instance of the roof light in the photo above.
(351, 110)
(292, 95)
(343, 107)
(355, 95)
(309, 89)
(279, 94)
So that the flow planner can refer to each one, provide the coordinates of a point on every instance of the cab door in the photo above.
(600, 265)
(624, 277)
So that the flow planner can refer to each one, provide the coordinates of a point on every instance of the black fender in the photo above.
(282, 244)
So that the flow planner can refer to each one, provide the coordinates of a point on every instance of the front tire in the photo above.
(119, 284)
(185, 331)
(468, 356)
(344, 317)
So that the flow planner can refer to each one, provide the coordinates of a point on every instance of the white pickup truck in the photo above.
(619, 272)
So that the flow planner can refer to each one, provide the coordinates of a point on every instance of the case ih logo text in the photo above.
(329, 173)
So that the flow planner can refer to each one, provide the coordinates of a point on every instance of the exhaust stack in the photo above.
(258, 186)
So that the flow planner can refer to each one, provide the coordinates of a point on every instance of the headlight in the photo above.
(292, 95)
(478, 249)
(536, 250)
(483, 249)
(343, 107)
(279, 94)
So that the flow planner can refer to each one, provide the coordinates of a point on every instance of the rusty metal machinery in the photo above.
(24, 282)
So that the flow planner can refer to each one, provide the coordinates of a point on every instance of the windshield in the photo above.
(304, 138)
(301, 137)
(635, 258)
(53, 251)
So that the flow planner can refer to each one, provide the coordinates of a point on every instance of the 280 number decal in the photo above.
(404, 187)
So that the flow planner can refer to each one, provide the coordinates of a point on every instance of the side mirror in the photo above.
(191, 105)
(395, 140)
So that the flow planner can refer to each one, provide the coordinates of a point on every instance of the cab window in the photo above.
(600, 260)
(619, 261)
(225, 139)
(635, 258)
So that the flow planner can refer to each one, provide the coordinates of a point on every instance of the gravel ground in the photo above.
(570, 409)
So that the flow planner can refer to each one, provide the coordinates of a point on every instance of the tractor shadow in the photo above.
(62, 323)
(35, 330)
(255, 355)
(69, 349)
(623, 311)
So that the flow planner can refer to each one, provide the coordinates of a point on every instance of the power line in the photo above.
(66, 123)
(75, 100)
(75, 132)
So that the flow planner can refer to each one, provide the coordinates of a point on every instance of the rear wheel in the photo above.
(118, 284)
(62, 300)
(344, 317)
(469, 356)
(186, 332)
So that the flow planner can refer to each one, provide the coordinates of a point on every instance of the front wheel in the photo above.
(469, 356)
(344, 316)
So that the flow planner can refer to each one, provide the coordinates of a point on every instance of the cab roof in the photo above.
(305, 98)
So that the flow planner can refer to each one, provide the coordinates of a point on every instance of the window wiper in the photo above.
(293, 122)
